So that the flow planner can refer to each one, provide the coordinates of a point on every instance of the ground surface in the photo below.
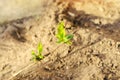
(20, 8)
(94, 54)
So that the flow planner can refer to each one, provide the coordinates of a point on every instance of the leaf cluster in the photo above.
(61, 34)
(38, 55)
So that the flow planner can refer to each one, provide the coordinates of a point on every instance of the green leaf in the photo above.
(40, 48)
(61, 30)
(69, 37)
(65, 40)
(33, 53)
(69, 42)
(41, 56)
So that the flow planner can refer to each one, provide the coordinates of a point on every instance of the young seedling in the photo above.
(38, 55)
(62, 36)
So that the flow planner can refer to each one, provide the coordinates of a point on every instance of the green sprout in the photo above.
(38, 55)
(61, 34)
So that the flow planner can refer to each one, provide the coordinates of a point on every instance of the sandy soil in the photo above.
(21, 8)
(94, 54)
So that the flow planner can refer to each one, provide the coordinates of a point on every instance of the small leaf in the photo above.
(41, 56)
(38, 55)
(33, 53)
(69, 42)
(65, 40)
(69, 37)
(61, 30)
(40, 48)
